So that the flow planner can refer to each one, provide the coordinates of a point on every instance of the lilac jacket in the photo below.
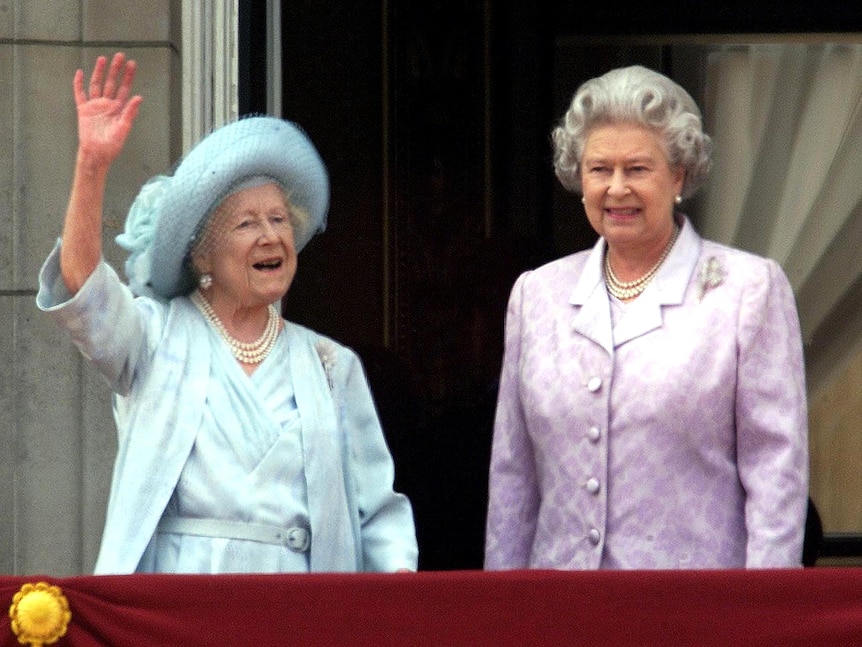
(675, 438)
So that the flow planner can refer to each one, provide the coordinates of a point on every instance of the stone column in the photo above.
(57, 438)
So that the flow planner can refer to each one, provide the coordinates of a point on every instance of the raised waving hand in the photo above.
(106, 112)
(106, 108)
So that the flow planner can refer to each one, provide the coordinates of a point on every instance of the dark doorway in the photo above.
(433, 120)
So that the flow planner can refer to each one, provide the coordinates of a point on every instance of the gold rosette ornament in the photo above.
(40, 614)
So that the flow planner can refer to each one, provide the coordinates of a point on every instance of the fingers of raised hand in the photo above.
(118, 82)
(78, 87)
(125, 88)
(114, 72)
(96, 78)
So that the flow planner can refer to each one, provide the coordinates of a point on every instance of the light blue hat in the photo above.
(170, 211)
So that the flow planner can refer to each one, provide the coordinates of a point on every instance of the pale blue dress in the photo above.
(246, 465)
(296, 445)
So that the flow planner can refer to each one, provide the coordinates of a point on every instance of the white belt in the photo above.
(296, 538)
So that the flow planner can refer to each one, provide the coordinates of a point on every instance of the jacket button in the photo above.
(593, 485)
(594, 384)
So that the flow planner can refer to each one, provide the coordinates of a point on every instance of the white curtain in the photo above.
(787, 177)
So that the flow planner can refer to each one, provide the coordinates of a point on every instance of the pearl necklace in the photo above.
(625, 290)
(247, 353)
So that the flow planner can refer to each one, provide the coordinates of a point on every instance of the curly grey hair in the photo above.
(640, 96)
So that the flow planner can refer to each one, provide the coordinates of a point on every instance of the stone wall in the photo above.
(58, 440)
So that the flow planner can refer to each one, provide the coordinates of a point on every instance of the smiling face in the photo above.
(629, 189)
(248, 249)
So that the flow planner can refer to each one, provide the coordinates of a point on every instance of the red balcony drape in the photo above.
(817, 607)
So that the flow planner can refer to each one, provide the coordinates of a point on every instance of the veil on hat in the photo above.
(170, 211)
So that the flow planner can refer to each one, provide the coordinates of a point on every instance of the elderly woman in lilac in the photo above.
(652, 406)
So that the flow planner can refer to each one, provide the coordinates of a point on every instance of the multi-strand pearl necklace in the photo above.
(247, 353)
(625, 290)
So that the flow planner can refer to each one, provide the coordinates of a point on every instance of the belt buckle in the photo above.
(297, 539)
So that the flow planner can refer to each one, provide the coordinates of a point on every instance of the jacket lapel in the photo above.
(331, 529)
(593, 317)
(644, 314)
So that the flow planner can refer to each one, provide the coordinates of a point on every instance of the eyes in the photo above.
(279, 221)
(606, 169)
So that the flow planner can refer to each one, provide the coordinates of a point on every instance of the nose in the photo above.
(617, 186)
(268, 231)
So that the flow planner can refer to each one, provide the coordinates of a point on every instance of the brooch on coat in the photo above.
(711, 276)
(326, 352)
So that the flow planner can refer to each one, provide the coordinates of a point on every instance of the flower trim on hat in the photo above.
(139, 232)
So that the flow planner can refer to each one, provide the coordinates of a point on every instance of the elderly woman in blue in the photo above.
(246, 443)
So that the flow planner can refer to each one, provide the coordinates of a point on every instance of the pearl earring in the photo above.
(583, 200)
(678, 199)
(205, 281)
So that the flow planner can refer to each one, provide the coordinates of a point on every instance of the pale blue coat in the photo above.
(156, 358)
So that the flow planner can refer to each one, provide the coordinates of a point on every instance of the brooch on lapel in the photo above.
(711, 276)
(326, 352)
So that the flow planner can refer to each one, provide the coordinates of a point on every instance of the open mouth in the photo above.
(621, 211)
(272, 264)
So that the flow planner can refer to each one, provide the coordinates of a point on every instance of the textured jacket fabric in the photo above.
(156, 358)
(675, 437)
